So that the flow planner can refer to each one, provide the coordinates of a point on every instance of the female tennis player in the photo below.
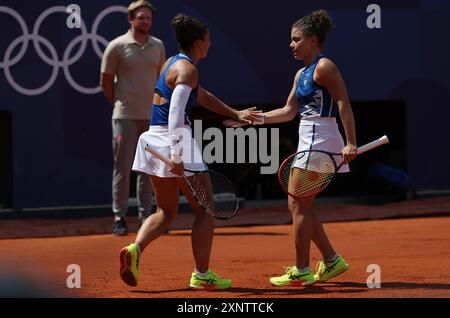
(175, 94)
(318, 93)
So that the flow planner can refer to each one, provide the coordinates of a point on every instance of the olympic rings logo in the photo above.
(53, 60)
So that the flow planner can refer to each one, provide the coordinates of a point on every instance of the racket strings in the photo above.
(307, 173)
(216, 194)
(310, 182)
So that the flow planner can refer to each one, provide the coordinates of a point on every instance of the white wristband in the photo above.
(176, 150)
(176, 158)
(260, 120)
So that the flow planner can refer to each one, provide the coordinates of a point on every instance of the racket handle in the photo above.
(376, 143)
(159, 155)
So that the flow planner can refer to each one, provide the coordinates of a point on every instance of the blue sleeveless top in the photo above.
(160, 113)
(314, 99)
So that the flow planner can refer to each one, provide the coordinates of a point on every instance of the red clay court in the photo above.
(413, 253)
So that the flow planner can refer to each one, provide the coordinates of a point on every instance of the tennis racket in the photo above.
(214, 193)
(309, 172)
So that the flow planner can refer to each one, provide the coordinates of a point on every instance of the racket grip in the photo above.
(376, 143)
(159, 155)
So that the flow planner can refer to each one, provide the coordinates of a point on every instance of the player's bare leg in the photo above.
(167, 199)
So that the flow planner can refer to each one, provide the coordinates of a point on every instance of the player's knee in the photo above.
(293, 206)
(168, 215)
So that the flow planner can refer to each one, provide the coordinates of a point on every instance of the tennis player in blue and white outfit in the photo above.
(318, 94)
(176, 93)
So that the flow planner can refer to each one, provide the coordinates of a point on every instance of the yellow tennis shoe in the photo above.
(129, 263)
(294, 278)
(209, 281)
(327, 270)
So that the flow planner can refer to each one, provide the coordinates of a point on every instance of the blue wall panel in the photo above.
(62, 135)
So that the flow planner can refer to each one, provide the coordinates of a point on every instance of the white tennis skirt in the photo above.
(157, 137)
(322, 133)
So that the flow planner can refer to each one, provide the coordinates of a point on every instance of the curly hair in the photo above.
(188, 30)
(318, 23)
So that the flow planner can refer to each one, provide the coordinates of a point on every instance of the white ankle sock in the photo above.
(139, 249)
(200, 273)
(333, 258)
(307, 268)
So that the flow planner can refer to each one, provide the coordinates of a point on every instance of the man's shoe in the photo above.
(129, 264)
(327, 270)
(120, 227)
(294, 277)
(209, 281)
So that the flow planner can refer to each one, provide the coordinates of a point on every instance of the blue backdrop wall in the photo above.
(61, 123)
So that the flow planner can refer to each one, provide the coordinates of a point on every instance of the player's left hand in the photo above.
(349, 152)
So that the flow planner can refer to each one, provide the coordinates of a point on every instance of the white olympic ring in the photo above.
(53, 60)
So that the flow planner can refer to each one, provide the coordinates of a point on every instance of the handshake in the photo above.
(246, 117)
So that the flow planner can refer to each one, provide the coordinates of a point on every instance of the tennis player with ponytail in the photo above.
(175, 94)
(318, 93)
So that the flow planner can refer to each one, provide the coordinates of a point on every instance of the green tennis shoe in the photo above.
(294, 278)
(328, 270)
(210, 281)
(129, 263)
